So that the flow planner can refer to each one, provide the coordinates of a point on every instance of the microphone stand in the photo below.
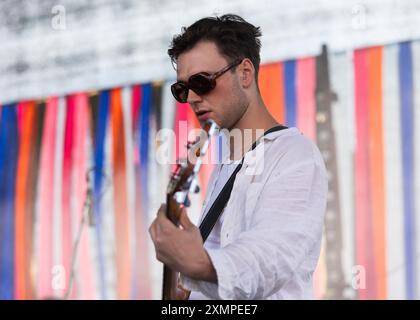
(86, 216)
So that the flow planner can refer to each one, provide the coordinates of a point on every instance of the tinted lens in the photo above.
(200, 83)
(180, 92)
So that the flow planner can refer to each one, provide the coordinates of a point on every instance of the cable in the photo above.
(86, 216)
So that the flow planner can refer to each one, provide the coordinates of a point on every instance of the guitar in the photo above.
(183, 181)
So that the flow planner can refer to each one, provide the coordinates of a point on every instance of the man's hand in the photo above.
(181, 248)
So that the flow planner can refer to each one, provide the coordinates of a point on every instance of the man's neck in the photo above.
(255, 121)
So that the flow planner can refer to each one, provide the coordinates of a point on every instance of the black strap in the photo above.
(219, 204)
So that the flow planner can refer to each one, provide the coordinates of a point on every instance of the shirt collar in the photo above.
(268, 137)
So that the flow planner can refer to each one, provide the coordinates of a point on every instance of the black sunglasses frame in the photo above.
(195, 83)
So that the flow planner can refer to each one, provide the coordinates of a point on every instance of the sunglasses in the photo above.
(201, 83)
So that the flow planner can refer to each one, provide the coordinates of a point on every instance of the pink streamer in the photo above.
(85, 264)
(306, 97)
(45, 256)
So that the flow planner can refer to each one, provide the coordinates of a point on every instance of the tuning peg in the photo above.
(190, 144)
(187, 202)
(182, 163)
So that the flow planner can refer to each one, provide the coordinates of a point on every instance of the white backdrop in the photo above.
(51, 47)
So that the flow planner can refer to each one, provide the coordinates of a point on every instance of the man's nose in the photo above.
(193, 97)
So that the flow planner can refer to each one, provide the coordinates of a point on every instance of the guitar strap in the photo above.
(223, 197)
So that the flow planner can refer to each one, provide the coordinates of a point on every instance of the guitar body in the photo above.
(170, 289)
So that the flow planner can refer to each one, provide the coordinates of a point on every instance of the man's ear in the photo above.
(247, 73)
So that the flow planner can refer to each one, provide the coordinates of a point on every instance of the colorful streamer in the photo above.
(48, 147)
(9, 147)
(406, 101)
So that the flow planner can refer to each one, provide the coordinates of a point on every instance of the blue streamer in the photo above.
(142, 171)
(219, 146)
(100, 134)
(290, 92)
(406, 100)
(144, 136)
(8, 163)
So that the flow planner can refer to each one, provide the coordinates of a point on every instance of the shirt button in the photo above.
(227, 235)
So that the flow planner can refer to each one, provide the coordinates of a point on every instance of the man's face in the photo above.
(227, 102)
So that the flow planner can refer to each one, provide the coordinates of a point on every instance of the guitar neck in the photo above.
(183, 179)
(336, 285)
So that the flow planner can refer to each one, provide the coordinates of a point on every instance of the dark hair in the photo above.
(234, 37)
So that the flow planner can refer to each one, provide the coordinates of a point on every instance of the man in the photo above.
(266, 243)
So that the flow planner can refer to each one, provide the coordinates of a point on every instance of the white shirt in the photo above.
(270, 234)
(213, 240)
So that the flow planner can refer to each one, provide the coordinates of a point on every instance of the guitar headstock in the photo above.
(184, 178)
